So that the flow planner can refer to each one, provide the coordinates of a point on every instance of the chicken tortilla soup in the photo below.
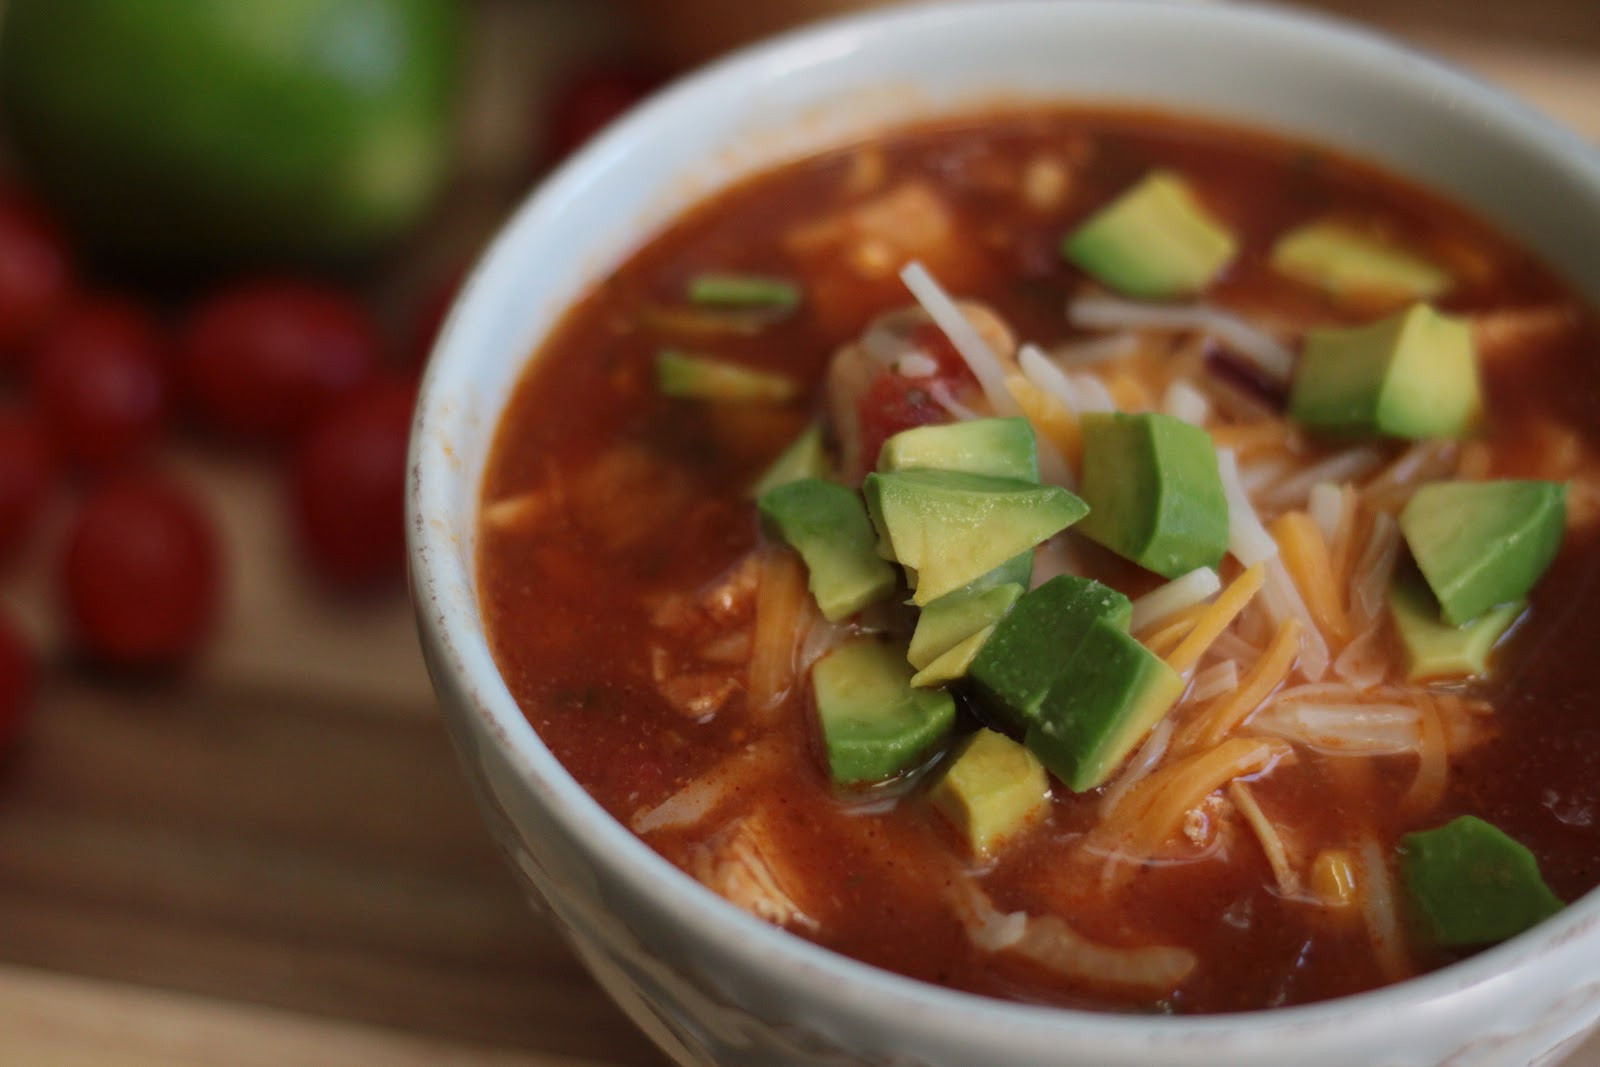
(1076, 556)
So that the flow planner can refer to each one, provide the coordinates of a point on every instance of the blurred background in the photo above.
(231, 827)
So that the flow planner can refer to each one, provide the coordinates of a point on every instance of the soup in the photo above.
(1074, 556)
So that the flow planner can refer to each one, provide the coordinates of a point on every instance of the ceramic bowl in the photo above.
(711, 984)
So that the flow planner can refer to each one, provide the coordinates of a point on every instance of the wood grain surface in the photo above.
(274, 860)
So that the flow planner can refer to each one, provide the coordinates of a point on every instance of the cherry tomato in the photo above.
(894, 402)
(27, 467)
(260, 360)
(142, 572)
(35, 272)
(100, 377)
(18, 680)
(349, 487)
(590, 99)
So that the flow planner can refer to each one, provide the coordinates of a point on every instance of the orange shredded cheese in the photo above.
(1246, 438)
(1224, 714)
(1216, 618)
(1050, 418)
(1305, 554)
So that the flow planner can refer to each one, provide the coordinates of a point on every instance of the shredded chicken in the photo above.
(745, 864)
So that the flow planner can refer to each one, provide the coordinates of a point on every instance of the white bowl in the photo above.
(710, 983)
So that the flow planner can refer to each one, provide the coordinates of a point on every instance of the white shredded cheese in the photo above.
(1269, 354)
(1184, 401)
(1248, 540)
(1169, 599)
(916, 365)
(1092, 393)
(1326, 507)
(1047, 377)
(984, 361)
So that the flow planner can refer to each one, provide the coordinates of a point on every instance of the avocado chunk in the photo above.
(991, 790)
(827, 524)
(683, 374)
(956, 616)
(1471, 884)
(1351, 265)
(1413, 375)
(874, 724)
(1155, 241)
(1100, 706)
(1434, 648)
(805, 457)
(1005, 448)
(1040, 635)
(1154, 492)
(951, 527)
(1482, 544)
(953, 664)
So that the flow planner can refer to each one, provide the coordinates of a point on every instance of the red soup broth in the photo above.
(623, 565)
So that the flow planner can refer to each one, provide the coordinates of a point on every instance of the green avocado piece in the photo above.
(874, 724)
(1413, 375)
(684, 374)
(1155, 241)
(1101, 704)
(951, 527)
(1345, 262)
(1469, 883)
(1035, 640)
(991, 790)
(953, 664)
(1005, 448)
(1154, 492)
(954, 617)
(805, 457)
(827, 524)
(1483, 544)
(1434, 648)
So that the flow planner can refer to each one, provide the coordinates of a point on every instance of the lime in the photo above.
(215, 129)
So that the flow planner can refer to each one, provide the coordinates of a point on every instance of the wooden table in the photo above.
(275, 860)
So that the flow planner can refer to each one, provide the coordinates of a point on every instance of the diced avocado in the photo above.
(1434, 648)
(1482, 544)
(954, 663)
(1154, 492)
(1347, 263)
(1471, 884)
(1413, 374)
(952, 527)
(682, 374)
(1155, 241)
(954, 616)
(827, 524)
(1100, 706)
(1005, 448)
(991, 790)
(805, 457)
(874, 725)
(743, 290)
(1036, 639)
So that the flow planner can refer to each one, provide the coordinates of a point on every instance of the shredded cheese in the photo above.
(1248, 540)
(984, 361)
(1216, 618)
(1169, 599)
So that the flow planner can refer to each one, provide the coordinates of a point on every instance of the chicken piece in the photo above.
(745, 864)
(852, 258)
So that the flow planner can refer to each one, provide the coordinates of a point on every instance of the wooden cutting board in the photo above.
(274, 860)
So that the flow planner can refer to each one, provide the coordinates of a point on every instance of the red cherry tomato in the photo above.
(18, 679)
(349, 487)
(894, 402)
(590, 100)
(35, 272)
(261, 360)
(100, 376)
(142, 572)
(27, 467)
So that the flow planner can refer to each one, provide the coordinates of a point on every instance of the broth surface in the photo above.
(617, 540)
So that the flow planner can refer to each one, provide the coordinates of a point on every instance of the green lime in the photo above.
(228, 129)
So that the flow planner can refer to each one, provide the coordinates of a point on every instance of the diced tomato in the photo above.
(895, 402)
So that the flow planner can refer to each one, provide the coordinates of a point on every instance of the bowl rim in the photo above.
(467, 677)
